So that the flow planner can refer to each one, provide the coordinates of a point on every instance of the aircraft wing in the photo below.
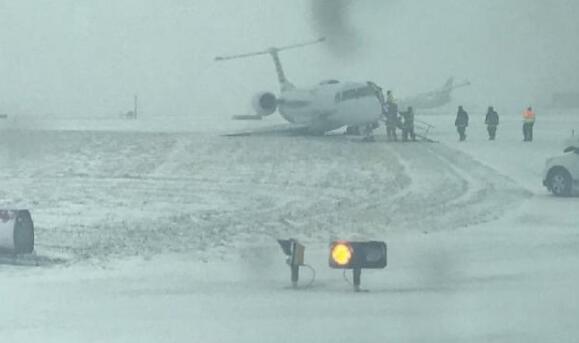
(282, 129)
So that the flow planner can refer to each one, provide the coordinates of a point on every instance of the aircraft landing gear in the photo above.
(368, 133)
(353, 130)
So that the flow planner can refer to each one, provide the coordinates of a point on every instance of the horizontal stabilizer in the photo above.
(270, 50)
(463, 84)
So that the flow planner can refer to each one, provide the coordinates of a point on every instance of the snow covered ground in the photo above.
(156, 230)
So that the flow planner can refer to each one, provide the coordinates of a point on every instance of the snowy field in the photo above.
(164, 231)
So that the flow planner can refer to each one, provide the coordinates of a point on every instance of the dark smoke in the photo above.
(331, 19)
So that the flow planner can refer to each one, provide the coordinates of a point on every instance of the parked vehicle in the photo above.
(561, 175)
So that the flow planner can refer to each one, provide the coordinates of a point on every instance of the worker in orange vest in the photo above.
(528, 123)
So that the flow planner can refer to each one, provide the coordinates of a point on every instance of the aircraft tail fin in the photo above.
(449, 85)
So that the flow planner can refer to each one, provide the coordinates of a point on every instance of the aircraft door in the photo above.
(348, 106)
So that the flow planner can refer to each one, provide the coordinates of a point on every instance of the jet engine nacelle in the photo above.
(264, 104)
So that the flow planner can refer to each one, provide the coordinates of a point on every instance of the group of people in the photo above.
(492, 122)
(394, 121)
(404, 121)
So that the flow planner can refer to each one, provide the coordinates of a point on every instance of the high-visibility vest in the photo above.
(529, 116)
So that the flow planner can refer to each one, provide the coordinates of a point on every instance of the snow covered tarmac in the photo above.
(170, 237)
(96, 194)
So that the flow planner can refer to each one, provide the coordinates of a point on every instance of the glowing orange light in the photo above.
(341, 254)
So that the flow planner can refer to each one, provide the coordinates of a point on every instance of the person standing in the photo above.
(408, 125)
(492, 121)
(461, 123)
(389, 96)
(528, 123)
(391, 110)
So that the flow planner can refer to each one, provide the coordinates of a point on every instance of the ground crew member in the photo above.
(391, 113)
(389, 96)
(492, 121)
(461, 123)
(408, 125)
(528, 123)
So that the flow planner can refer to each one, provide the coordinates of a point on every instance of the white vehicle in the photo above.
(328, 106)
(561, 175)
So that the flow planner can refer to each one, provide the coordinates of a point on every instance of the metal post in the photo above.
(357, 277)
(295, 275)
(135, 107)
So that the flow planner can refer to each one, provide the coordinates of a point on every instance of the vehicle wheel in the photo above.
(560, 182)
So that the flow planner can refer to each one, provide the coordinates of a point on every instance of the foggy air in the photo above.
(303, 170)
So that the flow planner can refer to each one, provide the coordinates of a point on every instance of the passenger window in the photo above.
(349, 94)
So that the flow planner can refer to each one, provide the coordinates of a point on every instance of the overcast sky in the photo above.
(86, 57)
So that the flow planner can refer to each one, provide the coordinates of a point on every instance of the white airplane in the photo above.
(328, 106)
(433, 99)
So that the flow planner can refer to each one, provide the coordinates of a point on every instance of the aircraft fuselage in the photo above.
(330, 106)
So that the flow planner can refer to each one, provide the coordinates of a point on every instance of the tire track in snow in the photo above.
(485, 196)
(138, 194)
(171, 160)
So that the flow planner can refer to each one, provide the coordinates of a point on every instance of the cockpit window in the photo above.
(329, 82)
(349, 94)
(355, 94)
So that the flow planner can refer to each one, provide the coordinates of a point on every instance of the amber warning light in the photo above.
(341, 255)
(363, 255)
(358, 256)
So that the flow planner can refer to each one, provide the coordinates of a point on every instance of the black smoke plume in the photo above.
(331, 19)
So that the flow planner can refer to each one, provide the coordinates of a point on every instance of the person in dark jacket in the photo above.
(408, 125)
(391, 113)
(492, 121)
(461, 123)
